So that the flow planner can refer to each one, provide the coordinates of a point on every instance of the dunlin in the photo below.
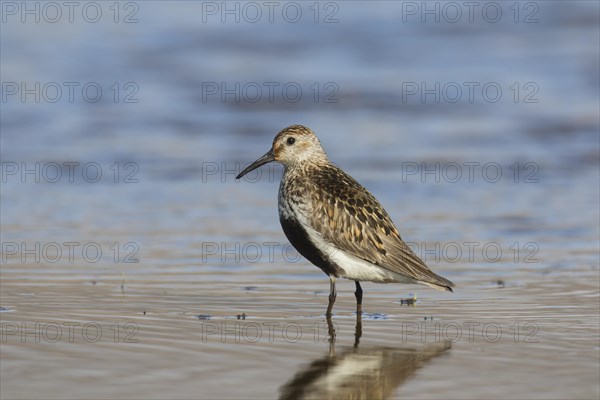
(337, 224)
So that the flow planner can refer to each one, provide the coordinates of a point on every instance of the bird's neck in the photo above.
(305, 167)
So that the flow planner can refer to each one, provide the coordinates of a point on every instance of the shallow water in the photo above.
(196, 292)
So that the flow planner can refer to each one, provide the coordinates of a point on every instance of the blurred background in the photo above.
(123, 125)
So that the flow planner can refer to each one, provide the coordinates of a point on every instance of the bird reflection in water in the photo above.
(359, 373)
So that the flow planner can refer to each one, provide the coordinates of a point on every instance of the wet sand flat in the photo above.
(70, 338)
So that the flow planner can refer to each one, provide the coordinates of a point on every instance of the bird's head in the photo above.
(292, 146)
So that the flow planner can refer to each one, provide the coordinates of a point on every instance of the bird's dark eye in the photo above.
(291, 141)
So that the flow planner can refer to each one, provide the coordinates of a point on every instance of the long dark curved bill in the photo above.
(267, 158)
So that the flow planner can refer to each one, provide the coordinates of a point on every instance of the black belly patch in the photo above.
(298, 237)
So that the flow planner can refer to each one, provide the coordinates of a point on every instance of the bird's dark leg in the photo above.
(332, 294)
(331, 331)
(358, 295)
(358, 330)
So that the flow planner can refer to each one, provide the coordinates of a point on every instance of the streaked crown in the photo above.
(296, 144)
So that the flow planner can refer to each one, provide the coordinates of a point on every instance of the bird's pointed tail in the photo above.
(440, 283)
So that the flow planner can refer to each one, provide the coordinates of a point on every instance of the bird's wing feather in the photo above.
(350, 218)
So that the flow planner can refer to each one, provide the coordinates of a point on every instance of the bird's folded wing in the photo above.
(351, 219)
